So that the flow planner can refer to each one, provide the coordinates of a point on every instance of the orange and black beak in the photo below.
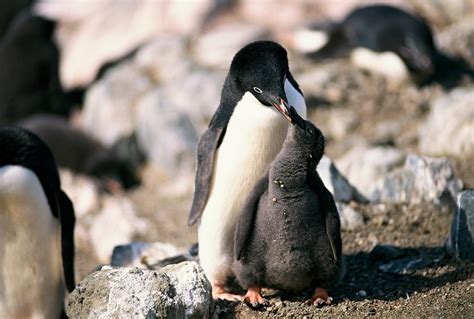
(282, 106)
(289, 112)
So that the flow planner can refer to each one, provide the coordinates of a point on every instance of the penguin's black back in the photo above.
(30, 70)
(23, 148)
(8, 10)
(384, 28)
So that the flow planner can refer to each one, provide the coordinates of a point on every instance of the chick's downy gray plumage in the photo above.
(288, 235)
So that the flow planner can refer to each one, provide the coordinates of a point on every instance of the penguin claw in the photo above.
(319, 302)
(321, 298)
(254, 299)
(218, 292)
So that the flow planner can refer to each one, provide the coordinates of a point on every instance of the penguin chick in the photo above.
(288, 235)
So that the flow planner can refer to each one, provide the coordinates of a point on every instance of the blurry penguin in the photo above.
(36, 229)
(8, 11)
(30, 71)
(244, 136)
(288, 236)
(385, 40)
(81, 153)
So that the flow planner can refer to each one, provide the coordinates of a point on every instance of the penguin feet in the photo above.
(254, 299)
(219, 292)
(321, 297)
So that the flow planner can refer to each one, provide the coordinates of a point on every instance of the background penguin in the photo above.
(30, 71)
(383, 39)
(288, 235)
(36, 229)
(81, 153)
(8, 10)
(244, 135)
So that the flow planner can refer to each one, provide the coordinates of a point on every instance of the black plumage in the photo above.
(288, 234)
(384, 28)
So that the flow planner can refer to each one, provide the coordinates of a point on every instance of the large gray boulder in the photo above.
(109, 109)
(350, 218)
(449, 127)
(337, 184)
(460, 243)
(366, 166)
(164, 59)
(167, 135)
(175, 291)
(422, 179)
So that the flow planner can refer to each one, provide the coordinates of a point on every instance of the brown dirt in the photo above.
(444, 289)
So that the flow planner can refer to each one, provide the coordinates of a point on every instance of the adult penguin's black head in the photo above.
(261, 68)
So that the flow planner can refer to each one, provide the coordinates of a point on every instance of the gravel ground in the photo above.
(442, 289)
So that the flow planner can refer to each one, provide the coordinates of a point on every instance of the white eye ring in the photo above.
(258, 90)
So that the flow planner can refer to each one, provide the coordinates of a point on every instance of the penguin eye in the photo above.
(310, 131)
(257, 90)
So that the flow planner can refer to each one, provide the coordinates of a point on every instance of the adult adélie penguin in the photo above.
(36, 229)
(244, 135)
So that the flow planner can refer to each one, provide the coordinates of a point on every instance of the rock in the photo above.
(116, 224)
(191, 255)
(336, 183)
(95, 32)
(167, 136)
(386, 252)
(142, 255)
(314, 82)
(217, 47)
(196, 94)
(460, 243)
(82, 191)
(164, 59)
(442, 13)
(458, 40)
(341, 122)
(177, 291)
(449, 127)
(350, 218)
(365, 166)
(422, 179)
(407, 265)
(109, 106)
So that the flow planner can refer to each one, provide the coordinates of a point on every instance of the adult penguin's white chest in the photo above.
(254, 136)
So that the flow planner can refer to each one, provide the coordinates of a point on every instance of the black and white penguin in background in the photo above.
(385, 40)
(36, 229)
(245, 134)
(29, 72)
